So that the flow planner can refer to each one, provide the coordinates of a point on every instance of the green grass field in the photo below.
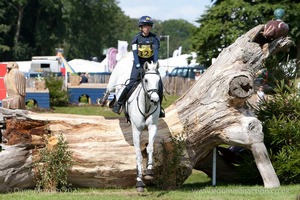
(196, 187)
(103, 111)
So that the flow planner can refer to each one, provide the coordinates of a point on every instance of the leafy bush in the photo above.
(58, 95)
(169, 173)
(52, 166)
(280, 116)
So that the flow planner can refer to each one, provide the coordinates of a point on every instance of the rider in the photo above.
(145, 46)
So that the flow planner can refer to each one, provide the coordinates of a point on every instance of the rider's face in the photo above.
(146, 29)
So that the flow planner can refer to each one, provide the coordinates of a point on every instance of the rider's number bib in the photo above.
(145, 51)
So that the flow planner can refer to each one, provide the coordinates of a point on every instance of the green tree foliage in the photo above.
(83, 28)
(58, 95)
(281, 125)
(179, 31)
(226, 20)
(92, 26)
(4, 29)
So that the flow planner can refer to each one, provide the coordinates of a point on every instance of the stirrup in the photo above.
(103, 100)
(162, 113)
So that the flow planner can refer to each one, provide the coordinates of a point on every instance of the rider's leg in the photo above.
(160, 93)
(118, 104)
(133, 76)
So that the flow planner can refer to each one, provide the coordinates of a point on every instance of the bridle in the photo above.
(148, 93)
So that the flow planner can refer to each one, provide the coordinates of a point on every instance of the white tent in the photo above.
(24, 66)
(80, 65)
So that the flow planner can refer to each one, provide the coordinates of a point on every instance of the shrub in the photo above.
(58, 95)
(52, 168)
(169, 173)
(281, 125)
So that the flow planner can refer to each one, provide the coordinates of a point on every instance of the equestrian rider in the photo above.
(145, 47)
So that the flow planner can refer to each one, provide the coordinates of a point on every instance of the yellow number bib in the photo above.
(145, 51)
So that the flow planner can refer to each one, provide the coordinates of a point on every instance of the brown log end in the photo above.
(52, 143)
(241, 87)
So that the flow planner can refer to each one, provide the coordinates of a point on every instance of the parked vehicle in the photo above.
(186, 72)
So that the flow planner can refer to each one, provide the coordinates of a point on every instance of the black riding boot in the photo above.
(118, 105)
(160, 91)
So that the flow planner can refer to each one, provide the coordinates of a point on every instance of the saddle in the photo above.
(127, 97)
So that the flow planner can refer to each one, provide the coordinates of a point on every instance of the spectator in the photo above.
(260, 94)
(84, 78)
(197, 75)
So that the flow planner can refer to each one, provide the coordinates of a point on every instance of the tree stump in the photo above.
(210, 113)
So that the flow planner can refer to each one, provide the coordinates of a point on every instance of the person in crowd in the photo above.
(260, 94)
(83, 78)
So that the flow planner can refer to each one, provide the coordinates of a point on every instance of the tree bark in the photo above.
(210, 113)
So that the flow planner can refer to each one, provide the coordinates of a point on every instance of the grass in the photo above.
(102, 111)
(197, 186)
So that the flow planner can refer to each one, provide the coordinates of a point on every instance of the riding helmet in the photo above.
(145, 20)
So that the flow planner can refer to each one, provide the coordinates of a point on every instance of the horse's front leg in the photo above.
(152, 129)
(139, 158)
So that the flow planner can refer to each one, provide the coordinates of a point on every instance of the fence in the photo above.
(93, 78)
(177, 85)
(172, 85)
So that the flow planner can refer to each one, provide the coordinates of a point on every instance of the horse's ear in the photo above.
(157, 65)
(146, 65)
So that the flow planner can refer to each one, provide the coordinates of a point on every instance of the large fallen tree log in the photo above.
(210, 113)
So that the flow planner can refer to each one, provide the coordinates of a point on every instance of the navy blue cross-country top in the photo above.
(145, 48)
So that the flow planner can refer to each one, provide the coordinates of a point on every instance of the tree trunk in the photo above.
(210, 113)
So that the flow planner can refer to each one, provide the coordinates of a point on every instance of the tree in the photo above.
(179, 31)
(4, 29)
(226, 20)
(92, 26)
(37, 27)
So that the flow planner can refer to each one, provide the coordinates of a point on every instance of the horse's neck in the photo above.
(140, 95)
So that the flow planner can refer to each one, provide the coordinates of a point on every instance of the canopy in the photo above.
(80, 65)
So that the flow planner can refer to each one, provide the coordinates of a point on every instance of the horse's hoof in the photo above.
(140, 189)
(140, 186)
(148, 177)
(148, 174)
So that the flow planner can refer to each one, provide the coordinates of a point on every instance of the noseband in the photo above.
(151, 91)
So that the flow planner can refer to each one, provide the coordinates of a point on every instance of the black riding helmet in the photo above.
(145, 20)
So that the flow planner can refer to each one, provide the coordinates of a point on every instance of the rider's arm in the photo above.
(134, 46)
(156, 45)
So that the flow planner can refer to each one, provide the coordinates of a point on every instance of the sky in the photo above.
(189, 10)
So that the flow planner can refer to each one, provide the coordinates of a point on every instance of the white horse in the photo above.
(118, 78)
(143, 108)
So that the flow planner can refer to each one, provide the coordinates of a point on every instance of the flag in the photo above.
(65, 64)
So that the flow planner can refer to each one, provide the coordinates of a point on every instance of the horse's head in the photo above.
(151, 81)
